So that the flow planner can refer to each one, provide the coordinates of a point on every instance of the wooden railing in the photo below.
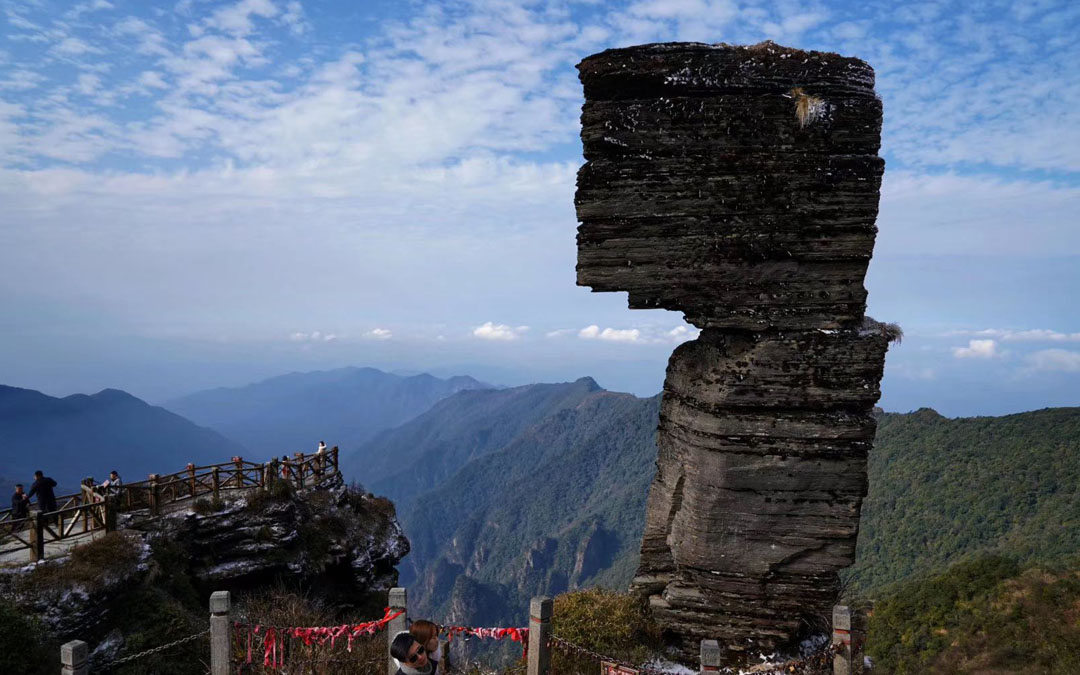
(90, 510)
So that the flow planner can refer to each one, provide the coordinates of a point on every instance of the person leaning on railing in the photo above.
(43, 488)
(113, 485)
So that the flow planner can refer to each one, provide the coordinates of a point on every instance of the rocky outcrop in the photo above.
(334, 543)
(739, 185)
(343, 542)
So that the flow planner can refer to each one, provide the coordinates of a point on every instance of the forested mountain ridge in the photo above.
(421, 454)
(558, 507)
(83, 435)
(516, 520)
(942, 489)
(293, 412)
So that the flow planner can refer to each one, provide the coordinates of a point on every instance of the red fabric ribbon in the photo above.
(274, 637)
(520, 635)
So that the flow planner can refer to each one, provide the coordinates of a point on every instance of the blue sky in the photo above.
(203, 193)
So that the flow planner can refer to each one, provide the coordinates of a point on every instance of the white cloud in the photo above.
(561, 332)
(1031, 335)
(498, 331)
(316, 336)
(88, 84)
(379, 334)
(71, 46)
(977, 349)
(683, 333)
(237, 18)
(949, 214)
(1054, 360)
(610, 334)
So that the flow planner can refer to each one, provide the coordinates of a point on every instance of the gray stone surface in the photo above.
(739, 185)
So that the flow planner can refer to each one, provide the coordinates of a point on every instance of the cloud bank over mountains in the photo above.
(403, 173)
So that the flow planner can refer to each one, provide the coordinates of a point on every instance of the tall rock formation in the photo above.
(739, 185)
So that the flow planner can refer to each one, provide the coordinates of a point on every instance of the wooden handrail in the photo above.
(244, 473)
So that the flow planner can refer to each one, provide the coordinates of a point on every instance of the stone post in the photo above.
(711, 656)
(847, 633)
(37, 537)
(155, 495)
(220, 627)
(73, 656)
(539, 633)
(397, 600)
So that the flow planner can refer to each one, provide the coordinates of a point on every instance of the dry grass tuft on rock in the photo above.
(91, 566)
(615, 624)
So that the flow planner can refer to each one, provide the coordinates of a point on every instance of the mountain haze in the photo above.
(292, 413)
(88, 435)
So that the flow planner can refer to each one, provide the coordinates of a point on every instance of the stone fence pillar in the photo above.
(848, 633)
(220, 632)
(73, 657)
(398, 600)
(539, 633)
(711, 656)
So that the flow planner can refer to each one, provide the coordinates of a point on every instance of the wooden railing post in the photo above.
(299, 461)
(109, 508)
(155, 495)
(398, 599)
(37, 537)
(711, 656)
(847, 633)
(275, 468)
(191, 478)
(86, 496)
(73, 656)
(539, 633)
(215, 483)
(334, 458)
(239, 462)
(220, 627)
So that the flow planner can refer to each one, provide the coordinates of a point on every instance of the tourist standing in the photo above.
(43, 487)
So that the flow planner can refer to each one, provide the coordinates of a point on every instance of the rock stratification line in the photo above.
(739, 185)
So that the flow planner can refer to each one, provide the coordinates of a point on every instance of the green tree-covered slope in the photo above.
(560, 506)
(980, 617)
(942, 489)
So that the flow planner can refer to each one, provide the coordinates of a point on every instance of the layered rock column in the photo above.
(739, 185)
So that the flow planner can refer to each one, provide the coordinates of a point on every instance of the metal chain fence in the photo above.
(112, 665)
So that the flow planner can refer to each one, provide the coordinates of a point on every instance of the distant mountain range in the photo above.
(292, 413)
(509, 493)
(77, 436)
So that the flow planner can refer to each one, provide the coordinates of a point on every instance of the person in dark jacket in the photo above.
(43, 488)
(20, 508)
